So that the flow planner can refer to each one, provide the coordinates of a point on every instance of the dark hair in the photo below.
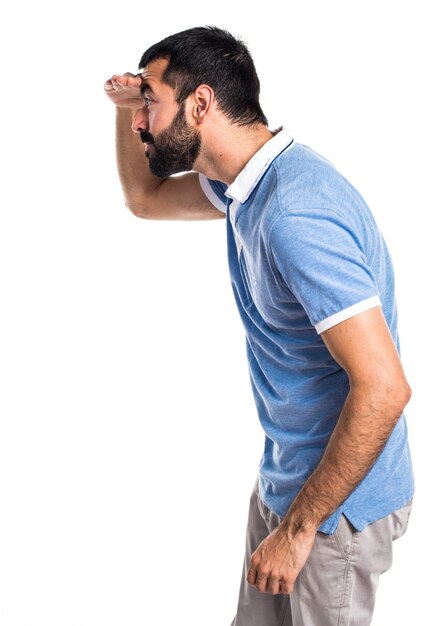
(213, 56)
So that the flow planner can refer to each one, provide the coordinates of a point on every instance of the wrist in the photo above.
(303, 516)
(296, 524)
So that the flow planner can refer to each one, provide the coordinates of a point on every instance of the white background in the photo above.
(129, 441)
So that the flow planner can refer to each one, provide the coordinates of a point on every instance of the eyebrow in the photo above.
(144, 88)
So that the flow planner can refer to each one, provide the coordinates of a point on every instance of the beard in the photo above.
(175, 149)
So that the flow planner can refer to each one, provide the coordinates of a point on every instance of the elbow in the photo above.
(405, 394)
(387, 397)
(398, 396)
(136, 209)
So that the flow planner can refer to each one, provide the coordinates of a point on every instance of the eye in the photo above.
(147, 101)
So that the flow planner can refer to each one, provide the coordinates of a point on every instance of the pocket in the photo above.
(345, 537)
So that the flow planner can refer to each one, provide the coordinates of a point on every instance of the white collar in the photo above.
(249, 177)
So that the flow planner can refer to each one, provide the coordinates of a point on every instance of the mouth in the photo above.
(146, 139)
(148, 146)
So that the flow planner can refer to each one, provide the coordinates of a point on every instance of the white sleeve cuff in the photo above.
(211, 195)
(341, 316)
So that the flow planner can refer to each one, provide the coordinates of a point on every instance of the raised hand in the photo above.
(124, 90)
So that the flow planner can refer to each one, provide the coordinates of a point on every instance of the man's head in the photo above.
(202, 77)
(211, 56)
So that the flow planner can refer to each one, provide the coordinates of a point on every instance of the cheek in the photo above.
(155, 119)
(160, 118)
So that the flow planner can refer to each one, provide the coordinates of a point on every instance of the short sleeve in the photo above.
(215, 192)
(324, 265)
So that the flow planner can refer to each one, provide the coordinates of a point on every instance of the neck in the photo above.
(227, 149)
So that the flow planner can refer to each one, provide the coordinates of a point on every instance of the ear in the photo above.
(202, 101)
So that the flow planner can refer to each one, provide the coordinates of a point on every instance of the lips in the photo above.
(148, 148)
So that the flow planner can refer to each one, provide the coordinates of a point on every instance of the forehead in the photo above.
(152, 76)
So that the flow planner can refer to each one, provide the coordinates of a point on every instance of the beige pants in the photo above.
(338, 583)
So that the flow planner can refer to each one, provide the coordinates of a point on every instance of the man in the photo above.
(313, 282)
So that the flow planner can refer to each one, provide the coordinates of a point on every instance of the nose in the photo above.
(140, 121)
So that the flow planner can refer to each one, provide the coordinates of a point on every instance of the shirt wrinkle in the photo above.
(292, 279)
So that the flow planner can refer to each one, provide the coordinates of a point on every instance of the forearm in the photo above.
(136, 179)
(364, 348)
(364, 426)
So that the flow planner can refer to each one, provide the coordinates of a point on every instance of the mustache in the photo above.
(146, 137)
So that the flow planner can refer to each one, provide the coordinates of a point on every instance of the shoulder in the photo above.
(307, 179)
(309, 186)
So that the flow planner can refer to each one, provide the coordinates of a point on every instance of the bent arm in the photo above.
(363, 346)
(149, 197)
(175, 198)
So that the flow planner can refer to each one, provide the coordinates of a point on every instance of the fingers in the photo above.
(270, 582)
(119, 82)
(286, 587)
(269, 579)
(127, 80)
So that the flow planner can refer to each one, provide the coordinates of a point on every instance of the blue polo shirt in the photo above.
(305, 253)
